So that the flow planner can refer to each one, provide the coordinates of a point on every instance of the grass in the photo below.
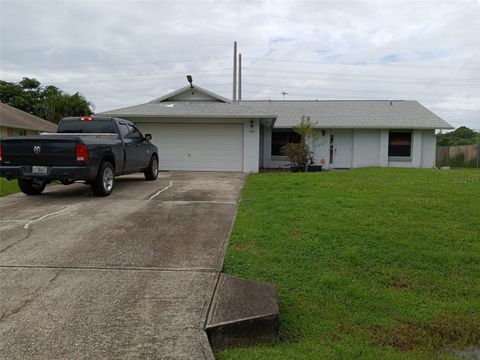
(368, 263)
(8, 187)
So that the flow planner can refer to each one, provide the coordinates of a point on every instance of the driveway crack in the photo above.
(27, 235)
(6, 314)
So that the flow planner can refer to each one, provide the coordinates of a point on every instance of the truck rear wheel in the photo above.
(151, 172)
(103, 183)
(30, 187)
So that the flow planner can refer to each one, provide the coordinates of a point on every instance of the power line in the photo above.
(265, 71)
(113, 64)
(223, 72)
(252, 60)
(363, 63)
(323, 89)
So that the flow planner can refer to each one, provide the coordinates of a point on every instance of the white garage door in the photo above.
(210, 147)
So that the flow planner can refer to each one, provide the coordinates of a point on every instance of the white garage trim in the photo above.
(200, 146)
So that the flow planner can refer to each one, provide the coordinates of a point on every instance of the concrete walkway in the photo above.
(128, 276)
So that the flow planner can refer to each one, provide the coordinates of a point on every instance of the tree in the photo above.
(300, 153)
(47, 102)
(60, 105)
(9, 90)
(15, 95)
(30, 84)
(460, 136)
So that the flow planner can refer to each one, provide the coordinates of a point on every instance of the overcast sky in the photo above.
(121, 53)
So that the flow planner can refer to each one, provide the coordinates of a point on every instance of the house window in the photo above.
(400, 144)
(281, 138)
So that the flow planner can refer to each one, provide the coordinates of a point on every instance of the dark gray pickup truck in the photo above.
(91, 149)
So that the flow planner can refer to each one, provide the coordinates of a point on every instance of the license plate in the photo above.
(39, 170)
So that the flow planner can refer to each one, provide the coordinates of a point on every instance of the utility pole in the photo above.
(239, 77)
(234, 95)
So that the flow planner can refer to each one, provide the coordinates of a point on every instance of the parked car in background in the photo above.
(91, 149)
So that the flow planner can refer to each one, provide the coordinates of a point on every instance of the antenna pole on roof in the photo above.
(234, 95)
(284, 93)
(239, 77)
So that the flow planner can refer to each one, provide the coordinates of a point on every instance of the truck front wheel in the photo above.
(30, 187)
(151, 172)
(103, 183)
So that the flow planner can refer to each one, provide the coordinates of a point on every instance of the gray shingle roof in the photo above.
(193, 109)
(14, 118)
(326, 113)
(397, 114)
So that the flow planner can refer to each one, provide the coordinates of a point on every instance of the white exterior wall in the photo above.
(383, 148)
(251, 146)
(370, 148)
(429, 147)
(366, 148)
(321, 150)
(192, 95)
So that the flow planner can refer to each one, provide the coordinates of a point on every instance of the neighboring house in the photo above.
(14, 122)
(195, 129)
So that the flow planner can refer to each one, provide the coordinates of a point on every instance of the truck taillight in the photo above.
(87, 118)
(1, 152)
(81, 152)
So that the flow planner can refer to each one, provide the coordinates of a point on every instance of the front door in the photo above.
(342, 149)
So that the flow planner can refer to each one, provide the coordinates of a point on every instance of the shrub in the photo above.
(457, 160)
(300, 153)
(472, 163)
(297, 153)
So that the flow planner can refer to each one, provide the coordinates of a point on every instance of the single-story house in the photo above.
(15, 122)
(196, 129)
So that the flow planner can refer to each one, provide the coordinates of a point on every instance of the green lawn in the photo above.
(368, 263)
(8, 187)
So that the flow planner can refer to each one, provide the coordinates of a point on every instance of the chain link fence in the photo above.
(458, 156)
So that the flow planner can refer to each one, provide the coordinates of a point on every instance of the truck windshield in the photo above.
(93, 126)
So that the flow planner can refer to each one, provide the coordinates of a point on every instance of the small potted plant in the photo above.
(300, 154)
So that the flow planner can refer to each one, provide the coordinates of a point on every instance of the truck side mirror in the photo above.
(148, 137)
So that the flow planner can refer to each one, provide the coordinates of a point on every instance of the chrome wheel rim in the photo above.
(154, 166)
(108, 179)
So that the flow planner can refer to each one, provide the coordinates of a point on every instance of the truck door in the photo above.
(138, 149)
(129, 149)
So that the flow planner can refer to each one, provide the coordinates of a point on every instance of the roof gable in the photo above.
(191, 93)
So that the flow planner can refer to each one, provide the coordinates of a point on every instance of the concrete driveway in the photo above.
(128, 276)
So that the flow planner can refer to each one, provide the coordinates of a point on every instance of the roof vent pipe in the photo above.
(234, 95)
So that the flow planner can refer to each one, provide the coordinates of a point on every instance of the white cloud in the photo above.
(120, 53)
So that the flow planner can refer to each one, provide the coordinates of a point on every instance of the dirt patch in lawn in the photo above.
(401, 281)
(241, 247)
(446, 331)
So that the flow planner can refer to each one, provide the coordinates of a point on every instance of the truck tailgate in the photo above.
(39, 150)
